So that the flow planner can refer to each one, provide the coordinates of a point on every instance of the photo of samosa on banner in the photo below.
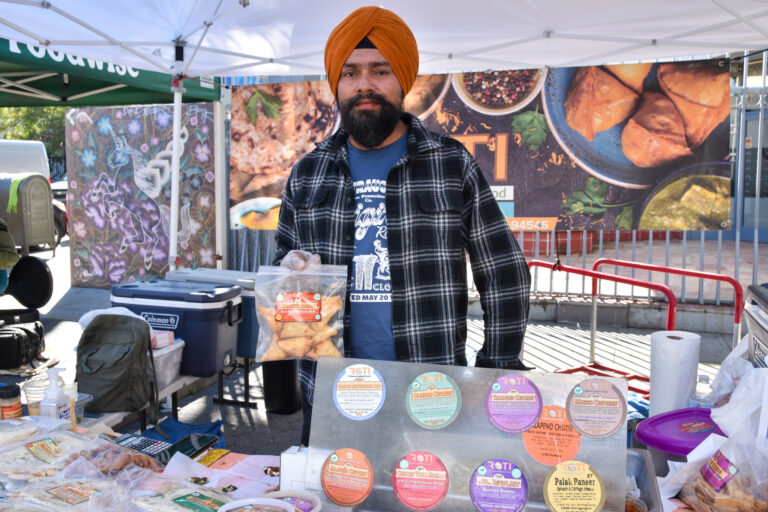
(630, 146)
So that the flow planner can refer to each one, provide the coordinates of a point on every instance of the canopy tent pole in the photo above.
(175, 158)
(30, 91)
(221, 201)
(96, 91)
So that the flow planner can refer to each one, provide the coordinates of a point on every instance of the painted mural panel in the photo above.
(119, 171)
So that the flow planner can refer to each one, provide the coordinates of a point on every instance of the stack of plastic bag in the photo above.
(728, 474)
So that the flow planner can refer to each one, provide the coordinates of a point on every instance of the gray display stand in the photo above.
(462, 445)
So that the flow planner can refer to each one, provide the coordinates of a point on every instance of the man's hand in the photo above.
(298, 260)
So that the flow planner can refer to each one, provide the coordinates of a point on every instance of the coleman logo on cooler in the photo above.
(161, 320)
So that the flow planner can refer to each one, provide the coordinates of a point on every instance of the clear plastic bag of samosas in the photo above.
(300, 312)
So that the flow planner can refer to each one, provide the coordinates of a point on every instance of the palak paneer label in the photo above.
(574, 486)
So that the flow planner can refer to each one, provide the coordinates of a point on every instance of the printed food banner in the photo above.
(119, 170)
(632, 146)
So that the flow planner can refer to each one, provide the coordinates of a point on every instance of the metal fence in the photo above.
(735, 253)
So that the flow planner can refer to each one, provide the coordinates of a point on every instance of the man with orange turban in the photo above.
(401, 207)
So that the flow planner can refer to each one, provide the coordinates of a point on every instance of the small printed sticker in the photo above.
(498, 485)
(420, 481)
(573, 486)
(552, 439)
(359, 392)
(433, 400)
(45, 449)
(298, 307)
(198, 502)
(513, 403)
(300, 504)
(596, 408)
(347, 477)
(718, 470)
(11, 411)
(696, 427)
(73, 494)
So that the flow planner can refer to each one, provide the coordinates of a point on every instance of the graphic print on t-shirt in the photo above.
(371, 280)
(370, 300)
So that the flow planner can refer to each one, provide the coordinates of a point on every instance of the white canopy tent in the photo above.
(287, 37)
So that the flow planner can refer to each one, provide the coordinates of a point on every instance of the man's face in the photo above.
(370, 97)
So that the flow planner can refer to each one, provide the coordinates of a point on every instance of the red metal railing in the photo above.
(595, 368)
(738, 293)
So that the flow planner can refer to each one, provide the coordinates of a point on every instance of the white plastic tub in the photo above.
(167, 363)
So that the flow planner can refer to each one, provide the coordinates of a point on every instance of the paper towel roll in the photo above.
(674, 365)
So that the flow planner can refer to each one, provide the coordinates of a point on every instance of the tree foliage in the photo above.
(35, 123)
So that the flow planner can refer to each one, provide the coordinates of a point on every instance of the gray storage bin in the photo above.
(640, 466)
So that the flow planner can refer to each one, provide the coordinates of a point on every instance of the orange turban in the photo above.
(384, 29)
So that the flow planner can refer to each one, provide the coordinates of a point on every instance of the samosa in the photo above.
(597, 101)
(631, 75)
(701, 92)
(655, 135)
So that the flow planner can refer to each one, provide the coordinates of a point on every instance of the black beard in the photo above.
(370, 128)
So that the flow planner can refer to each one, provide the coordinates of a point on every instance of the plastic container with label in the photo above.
(257, 505)
(302, 501)
(34, 392)
(10, 402)
(672, 435)
(55, 403)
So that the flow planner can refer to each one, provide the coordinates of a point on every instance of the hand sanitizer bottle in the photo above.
(56, 402)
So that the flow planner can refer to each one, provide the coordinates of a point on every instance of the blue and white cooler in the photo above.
(204, 315)
(248, 330)
(282, 393)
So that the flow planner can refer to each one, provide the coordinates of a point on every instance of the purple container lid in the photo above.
(677, 432)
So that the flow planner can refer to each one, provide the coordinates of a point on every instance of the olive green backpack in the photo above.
(112, 365)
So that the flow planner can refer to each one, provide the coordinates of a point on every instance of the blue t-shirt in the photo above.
(370, 299)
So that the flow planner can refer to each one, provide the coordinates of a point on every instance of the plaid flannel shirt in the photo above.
(439, 208)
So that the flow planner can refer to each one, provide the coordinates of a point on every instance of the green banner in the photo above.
(32, 57)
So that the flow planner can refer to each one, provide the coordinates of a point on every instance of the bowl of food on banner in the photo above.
(255, 213)
(426, 94)
(633, 125)
(695, 197)
(498, 93)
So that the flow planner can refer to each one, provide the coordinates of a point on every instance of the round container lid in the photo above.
(420, 481)
(677, 432)
(10, 391)
(257, 504)
(302, 501)
(347, 477)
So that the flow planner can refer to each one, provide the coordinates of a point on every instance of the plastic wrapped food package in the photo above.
(301, 313)
(734, 478)
(38, 458)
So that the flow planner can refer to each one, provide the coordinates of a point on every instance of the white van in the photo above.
(24, 156)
